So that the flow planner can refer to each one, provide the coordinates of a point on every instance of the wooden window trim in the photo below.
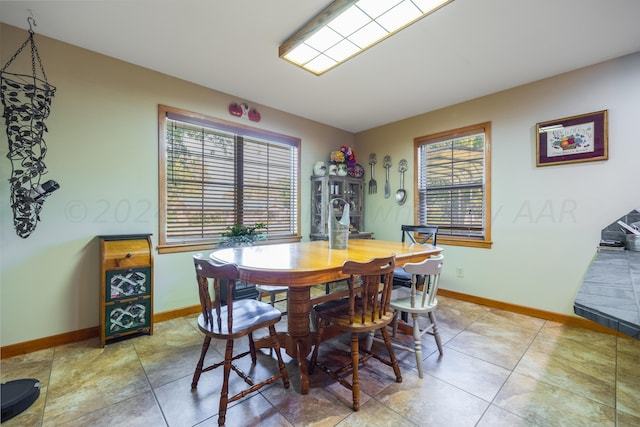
(246, 131)
(485, 241)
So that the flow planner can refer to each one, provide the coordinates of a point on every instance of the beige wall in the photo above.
(546, 221)
(103, 151)
(102, 144)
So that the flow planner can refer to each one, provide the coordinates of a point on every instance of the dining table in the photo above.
(302, 265)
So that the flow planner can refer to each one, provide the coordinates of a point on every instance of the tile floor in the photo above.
(499, 369)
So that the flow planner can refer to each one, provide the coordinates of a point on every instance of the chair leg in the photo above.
(252, 349)
(392, 356)
(198, 371)
(436, 333)
(355, 359)
(416, 342)
(276, 345)
(395, 322)
(272, 298)
(314, 356)
(224, 392)
(369, 342)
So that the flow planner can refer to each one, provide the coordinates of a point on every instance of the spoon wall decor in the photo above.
(401, 194)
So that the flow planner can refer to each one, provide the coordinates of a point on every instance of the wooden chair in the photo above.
(365, 310)
(273, 291)
(420, 303)
(400, 276)
(233, 321)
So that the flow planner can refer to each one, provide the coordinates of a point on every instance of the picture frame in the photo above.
(582, 138)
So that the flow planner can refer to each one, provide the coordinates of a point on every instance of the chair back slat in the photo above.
(215, 275)
(430, 268)
(427, 231)
(370, 285)
(217, 322)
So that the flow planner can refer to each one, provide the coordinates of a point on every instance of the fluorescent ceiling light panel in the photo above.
(320, 64)
(347, 27)
(342, 50)
(375, 8)
(368, 35)
(350, 21)
(400, 16)
(323, 39)
(427, 5)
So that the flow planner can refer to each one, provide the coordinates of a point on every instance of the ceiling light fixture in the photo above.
(347, 27)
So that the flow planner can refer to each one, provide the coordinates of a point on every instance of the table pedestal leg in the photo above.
(299, 334)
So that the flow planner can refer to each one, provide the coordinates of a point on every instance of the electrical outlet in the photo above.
(460, 272)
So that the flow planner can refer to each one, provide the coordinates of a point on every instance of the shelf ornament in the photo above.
(27, 102)
(344, 155)
(342, 160)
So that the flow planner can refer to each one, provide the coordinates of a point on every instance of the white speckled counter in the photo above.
(610, 292)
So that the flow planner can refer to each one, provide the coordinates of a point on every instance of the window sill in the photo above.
(459, 241)
(209, 246)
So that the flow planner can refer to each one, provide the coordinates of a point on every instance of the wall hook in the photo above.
(31, 22)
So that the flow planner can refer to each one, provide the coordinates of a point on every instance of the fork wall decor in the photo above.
(27, 101)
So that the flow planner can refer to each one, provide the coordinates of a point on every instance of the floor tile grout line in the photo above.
(374, 397)
(153, 391)
(529, 347)
(511, 373)
(46, 396)
(489, 403)
(615, 384)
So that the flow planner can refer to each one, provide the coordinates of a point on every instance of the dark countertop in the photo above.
(610, 292)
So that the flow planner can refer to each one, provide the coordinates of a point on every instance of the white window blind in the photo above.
(452, 183)
(218, 175)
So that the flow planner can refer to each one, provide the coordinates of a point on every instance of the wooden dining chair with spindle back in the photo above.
(230, 322)
(365, 310)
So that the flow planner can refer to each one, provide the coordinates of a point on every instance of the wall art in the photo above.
(573, 139)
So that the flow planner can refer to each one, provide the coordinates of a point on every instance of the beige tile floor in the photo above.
(498, 369)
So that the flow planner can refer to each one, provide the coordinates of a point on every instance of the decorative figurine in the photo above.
(319, 168)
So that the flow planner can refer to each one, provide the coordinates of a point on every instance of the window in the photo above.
(214, 174)
(454, 185)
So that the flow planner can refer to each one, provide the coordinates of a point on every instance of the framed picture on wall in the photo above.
(573, 139)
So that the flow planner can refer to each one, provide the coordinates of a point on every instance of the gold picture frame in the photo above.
(574, 139)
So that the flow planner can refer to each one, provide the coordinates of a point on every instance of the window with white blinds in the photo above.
(453, 182)
(218, 173)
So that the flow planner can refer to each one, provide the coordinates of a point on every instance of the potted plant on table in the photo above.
(242, 235)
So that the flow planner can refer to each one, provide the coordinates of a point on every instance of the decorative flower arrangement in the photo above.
(240, 235)
(344, 155)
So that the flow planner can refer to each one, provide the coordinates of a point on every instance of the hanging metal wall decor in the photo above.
(27, 101)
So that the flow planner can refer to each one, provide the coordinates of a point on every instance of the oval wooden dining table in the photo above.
(302, 265)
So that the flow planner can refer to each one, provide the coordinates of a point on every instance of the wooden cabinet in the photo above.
(126, 286)
(329, 187)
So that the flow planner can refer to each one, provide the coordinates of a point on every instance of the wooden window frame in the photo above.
(239, 132)
(483, 241)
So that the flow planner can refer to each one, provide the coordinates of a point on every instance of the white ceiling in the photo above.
(468, 49)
